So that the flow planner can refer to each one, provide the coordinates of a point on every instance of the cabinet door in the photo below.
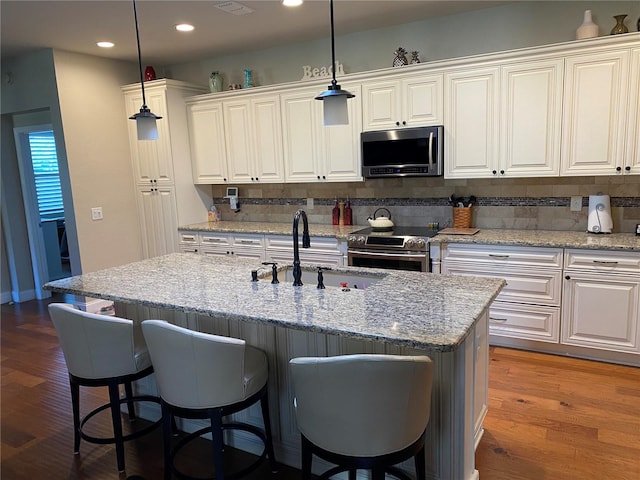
(471, 123)
(341, 155)
(381, 105)
(206, 134)
(422, 100)
(159, 221)
(300, 135)
(601, 311)
(240, 157)
(632, 154)
(267, 135)
(152, 161)
(595, 110)
(531, 110)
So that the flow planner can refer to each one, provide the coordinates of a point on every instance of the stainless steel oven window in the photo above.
(413, 261)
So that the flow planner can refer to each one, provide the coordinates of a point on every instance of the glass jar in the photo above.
(215, 82)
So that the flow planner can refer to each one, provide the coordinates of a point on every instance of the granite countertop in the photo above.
(547, 238)
(420, 310)
(531, 238)
(315, 230)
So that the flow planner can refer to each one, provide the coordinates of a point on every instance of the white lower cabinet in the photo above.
(601, 301)
(233, 245)
(528, 307)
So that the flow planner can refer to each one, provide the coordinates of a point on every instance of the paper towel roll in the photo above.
(599, 220)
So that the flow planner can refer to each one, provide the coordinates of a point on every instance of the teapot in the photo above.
(382, 222)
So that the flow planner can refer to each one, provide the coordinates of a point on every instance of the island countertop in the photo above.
(413, 309)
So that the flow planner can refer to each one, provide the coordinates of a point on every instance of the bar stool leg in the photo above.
(114, 400)
(218, 443)
(421, 473)
(75, 405)
(306, 459)
(129, 393)
(264, 405)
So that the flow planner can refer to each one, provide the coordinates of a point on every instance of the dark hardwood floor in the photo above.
(550, 417)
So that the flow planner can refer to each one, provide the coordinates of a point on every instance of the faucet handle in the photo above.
(274, 271)
(320, 285)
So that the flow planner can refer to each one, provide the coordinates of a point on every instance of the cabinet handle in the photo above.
(224, 179)
(397, 124)
(498, 256)
(250, 242)
(501, 172)
(497, 320)
(324, 177)
(627, 168)
(404, 122)
(494, 172)
(188, 237)
(567, 277)
(318, 177)
(618, 169)
(605, 262)
(211, 240)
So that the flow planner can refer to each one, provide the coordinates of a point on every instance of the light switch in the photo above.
(309, 203)
(96, 213)
(576, 204)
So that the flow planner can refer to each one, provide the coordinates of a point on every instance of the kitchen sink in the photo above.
(332, 278)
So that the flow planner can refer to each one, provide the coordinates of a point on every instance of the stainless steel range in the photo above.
(403, 248)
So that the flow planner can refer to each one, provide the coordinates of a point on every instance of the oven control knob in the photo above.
(420, 243)
(410, 243)
(355, 240)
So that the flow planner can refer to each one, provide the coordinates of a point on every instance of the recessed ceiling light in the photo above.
(105, 44)
(184, 27)
(291, 3)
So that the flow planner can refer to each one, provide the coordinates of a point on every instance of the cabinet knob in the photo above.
(224, 179)
(323, 177)
(318, 177)
(397, 124)
(627, 168)
(257, 179)
(567, 277)
(501, 172)
(404, 123)
(494, 172)
(618, 169)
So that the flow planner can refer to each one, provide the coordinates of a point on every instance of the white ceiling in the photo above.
(76, 26)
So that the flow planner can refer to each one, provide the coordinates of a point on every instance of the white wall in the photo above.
(517, 25)
(96, 139)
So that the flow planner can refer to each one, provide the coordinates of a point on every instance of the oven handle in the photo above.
(361, 253)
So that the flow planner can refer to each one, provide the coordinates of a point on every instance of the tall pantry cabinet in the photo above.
(165, 193)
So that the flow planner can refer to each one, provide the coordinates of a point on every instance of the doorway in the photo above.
(43, 205)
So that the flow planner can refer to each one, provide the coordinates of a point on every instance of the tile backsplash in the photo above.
(525, 203)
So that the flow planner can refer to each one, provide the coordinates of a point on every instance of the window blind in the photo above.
(46, 174)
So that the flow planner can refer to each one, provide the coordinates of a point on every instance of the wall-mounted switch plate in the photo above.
(576, 204)
(96, 213)
(309, 203)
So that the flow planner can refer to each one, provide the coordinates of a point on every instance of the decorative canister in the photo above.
(149, 74)
(248, 79)
(588, 29)
(400, 58)
(215, 82)
(620, 26)
(415, 57)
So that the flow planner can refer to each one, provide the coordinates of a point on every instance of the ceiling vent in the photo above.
(234, 8)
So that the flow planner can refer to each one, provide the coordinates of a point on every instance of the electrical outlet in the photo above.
(576, 204)
(96, 213)
(309, 203)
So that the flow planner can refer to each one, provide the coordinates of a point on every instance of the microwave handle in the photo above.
(430, 151)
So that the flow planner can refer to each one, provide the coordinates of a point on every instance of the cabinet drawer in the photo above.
(540, 287)
(248, 240)
(603, 260)
(318, 244)
(500, 255)
(188, 238)
(529, 322)
(187, 247)
(222, 240)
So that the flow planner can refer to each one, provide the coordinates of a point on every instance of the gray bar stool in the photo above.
(207, 376)
(363, 412)
(103, 351)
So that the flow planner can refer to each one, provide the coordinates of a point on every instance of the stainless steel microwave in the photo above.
(404, 152)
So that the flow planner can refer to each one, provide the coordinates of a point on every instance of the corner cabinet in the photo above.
(163, 180)
(313, 152)
(403, 101)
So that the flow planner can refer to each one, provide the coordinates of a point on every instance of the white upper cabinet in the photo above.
(595, 113)
(407, 101)
(208, 150)
(632, 154)
(530, 118)
(254, 139)
(313, 152)
(471, 122)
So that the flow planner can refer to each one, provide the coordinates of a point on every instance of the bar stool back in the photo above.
(363, 412)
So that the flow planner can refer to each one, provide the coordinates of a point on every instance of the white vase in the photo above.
(588, 29)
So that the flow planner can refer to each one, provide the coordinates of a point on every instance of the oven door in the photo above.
(413, 261)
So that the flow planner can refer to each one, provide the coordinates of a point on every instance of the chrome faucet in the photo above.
(306, 243)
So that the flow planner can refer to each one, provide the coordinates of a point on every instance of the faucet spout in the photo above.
(306, 243)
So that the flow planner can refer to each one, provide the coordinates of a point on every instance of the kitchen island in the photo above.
(407, 313)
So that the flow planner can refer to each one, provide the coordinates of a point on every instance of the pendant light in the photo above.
(334, 98)
(145, 119)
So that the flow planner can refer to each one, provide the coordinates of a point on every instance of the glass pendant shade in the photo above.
(146, 124)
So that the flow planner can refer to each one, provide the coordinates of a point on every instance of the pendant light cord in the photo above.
(333, 48)
(135, 16)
